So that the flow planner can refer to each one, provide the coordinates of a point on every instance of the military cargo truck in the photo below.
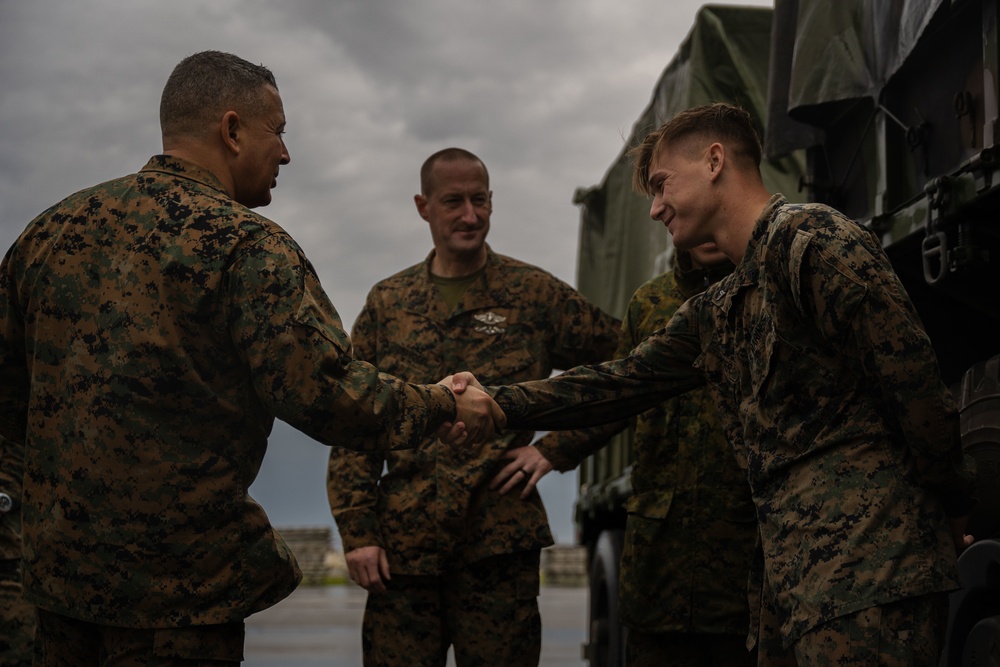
(888, 112)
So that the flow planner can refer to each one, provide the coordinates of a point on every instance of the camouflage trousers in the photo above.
(487, 610)
(17, 618)
(907, 633)
(684, 649)
(68, 642)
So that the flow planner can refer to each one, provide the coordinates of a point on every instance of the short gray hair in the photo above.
(446, 155)
(206, 85)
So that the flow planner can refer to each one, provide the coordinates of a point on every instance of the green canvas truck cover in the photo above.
(724, 58)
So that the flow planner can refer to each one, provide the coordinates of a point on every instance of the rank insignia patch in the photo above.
(491, 323)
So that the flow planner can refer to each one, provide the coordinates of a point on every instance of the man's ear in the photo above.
(421, 203)
(230, 130)
(716, 156)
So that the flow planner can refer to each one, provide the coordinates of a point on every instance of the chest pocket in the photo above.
(790, 399)
(719, 360)
(504, 362)
(760, 358)
(501, 345)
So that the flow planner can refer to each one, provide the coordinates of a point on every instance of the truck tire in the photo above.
(606, 643)
(973, 630)
(979, 405)
(973, 636)
(982, 643)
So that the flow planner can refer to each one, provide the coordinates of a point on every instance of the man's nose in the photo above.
(656, 208)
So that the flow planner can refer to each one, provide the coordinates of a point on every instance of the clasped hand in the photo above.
(477, 415)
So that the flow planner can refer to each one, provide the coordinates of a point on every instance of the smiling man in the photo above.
(445, 561)
(829, 392)
(151, 330)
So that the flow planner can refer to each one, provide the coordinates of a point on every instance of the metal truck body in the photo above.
(888, 112)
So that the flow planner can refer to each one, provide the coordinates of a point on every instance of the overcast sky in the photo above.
(544, 91)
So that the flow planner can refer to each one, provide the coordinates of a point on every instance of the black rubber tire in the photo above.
(606, 642)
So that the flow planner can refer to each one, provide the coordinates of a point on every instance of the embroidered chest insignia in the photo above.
(491, 323)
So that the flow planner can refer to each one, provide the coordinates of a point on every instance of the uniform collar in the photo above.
(423, 296)
(758, 237)
(748, 270)
(181, 168)
(691, 280)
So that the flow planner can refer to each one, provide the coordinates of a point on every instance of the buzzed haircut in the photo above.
(446, 155)
(206, 85)
(729, 125)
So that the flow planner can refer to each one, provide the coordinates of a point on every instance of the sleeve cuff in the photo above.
(441, 404)
(358, 528)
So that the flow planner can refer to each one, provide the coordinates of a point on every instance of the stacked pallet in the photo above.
(311, 547)
(564, 565)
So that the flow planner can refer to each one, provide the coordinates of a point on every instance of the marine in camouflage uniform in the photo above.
(17, 615)
(151, 329)
(464, 561)
(691, 529)
(829, 391)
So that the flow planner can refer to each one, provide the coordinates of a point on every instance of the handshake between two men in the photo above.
(477, 415)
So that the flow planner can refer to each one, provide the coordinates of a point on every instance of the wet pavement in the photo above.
(321, 626)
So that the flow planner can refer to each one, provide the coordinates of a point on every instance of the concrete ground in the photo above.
(321, 626)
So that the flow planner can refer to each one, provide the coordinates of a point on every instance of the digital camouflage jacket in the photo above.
(691, 528)
(829, 390)
(516, 323)
(151, 329)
